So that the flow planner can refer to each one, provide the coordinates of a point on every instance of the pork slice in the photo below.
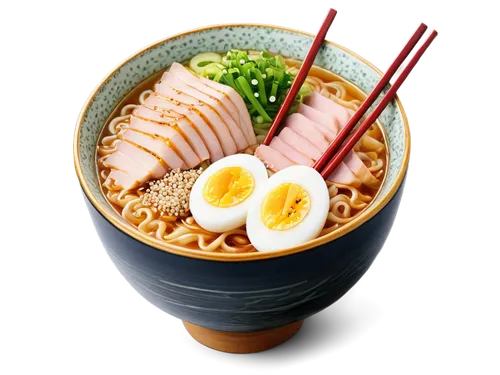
(171, 136)
(291, 153)
(144, 158)
(325, 105)
(121, 179)
(361, 171)
(148, 113)
(319, 117)
(272, 159)
(305, 128)
(118, 160)
(300, 144)
(232, 94)
(203, 128)
(208, 114)
(343, 175)
(216, 105)
(155, 146)
(190, 134)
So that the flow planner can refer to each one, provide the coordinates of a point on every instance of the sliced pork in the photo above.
(305, 128)
(319, 117)
(276, 161)
(291, 153)
(244, 117)
(117, 178)
(203, 128)
(118, 160)
(147, 113)
(300, 143)
(272, 159)
(208, 114)
(156, 146)
(170, 136)
(308, 133)
(328, 106)
(343, 175)
(177, 84)
(361, 171)
(185, 121)
(178, 122)
(229, 98)
(155, 166)
(186, 129)
(327, 133)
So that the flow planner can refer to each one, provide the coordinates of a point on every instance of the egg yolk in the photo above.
(285, 206)
(228, 187)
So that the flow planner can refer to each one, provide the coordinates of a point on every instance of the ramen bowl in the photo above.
(253, 301)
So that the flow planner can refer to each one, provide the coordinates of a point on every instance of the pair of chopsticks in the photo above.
(345, 141)
(301, 75)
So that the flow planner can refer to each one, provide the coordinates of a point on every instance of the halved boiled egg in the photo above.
(222, 195)
(290, 210)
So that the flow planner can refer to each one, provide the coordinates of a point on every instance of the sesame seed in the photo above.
(170, 195)
(272, 98)
(256, 94)
(254, 82)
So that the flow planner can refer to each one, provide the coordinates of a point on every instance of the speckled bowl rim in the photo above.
(133, 232)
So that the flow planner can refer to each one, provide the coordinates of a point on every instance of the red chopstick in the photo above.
(365, 125)
(323, 160)
(301, 75)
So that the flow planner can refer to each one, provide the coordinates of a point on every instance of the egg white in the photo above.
(265, 239)
(223, 219)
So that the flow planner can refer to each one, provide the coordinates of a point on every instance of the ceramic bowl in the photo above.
(240, 302)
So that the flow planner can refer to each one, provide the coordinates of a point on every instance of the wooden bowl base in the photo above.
(242, 342)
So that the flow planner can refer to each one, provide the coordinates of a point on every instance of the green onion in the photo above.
(261, 64)
(278, 77)
(245, 70)
(266, 55)
(242, 55)
(260, 131)
(218, 76)
(240, 88)
(261, 80)
(269, 74)
(260, 85)
(259, 119)
(247, 90)
(305, 90)
(262, 126)
(274, 93)
(201, 60)
(212, 69)
(228, 79)
(280, 62)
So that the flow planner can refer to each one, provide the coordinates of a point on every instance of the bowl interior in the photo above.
(181, 47)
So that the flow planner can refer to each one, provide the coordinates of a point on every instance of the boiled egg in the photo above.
(290, 210)
(222, 195)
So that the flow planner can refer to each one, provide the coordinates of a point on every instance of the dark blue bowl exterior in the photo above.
(251, 295)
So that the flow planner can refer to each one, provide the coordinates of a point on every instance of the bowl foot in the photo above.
(242, 342)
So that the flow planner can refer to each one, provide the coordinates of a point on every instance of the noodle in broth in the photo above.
(346, 202)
